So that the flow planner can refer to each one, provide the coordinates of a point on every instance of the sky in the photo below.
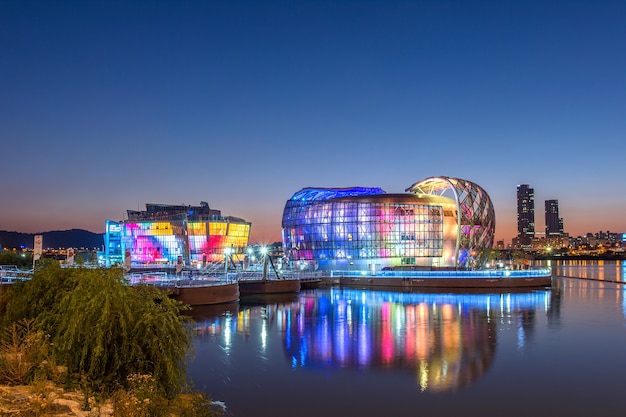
(108, 105)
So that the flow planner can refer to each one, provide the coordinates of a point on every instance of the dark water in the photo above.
(338, 352)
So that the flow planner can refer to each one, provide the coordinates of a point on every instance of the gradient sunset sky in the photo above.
(108, 105)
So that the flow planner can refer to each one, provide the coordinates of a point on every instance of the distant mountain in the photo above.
(74, 238)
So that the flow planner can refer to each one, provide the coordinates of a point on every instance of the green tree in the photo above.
(35, 298)
(490, 256)
(19, 259)
(105, 330)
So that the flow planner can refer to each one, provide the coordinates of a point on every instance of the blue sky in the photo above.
(108, 105)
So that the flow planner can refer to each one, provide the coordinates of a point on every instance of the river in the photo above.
(346, 352)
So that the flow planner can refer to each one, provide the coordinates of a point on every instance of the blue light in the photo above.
(316, 194)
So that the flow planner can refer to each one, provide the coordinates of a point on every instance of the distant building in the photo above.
(163, 234)
(554, 223)
(439, 222)
(525, 214)
(561, 241)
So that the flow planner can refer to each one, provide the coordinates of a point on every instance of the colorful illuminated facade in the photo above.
(439, 222)
(163, 233)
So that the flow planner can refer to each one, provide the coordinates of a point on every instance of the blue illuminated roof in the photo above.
(316, 194)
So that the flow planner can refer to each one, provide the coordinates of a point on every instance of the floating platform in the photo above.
(310, 283)
(200, 295)
(533, 278)
(268, 286)
(267, 299)
(197, 291)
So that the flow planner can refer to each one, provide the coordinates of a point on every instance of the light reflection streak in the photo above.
(447, 340)
(228, 339)
(521, 337)
(624, 302)
(264, 335)
(363, 338)
(596, 270)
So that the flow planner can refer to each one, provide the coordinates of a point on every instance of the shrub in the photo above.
(23, 351)
(104, 330)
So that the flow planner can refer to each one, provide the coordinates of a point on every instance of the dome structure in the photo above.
(477, 220)
(363, 228)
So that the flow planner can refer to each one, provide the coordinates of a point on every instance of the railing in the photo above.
(449, 274)
(184, 279)
(486, 273)
(11, 273)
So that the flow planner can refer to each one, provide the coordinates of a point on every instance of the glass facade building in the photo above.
(525, 214)
(163, 233)
(368, 229)
(554, 223)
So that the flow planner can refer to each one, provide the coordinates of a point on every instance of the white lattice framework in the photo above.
(477, 220)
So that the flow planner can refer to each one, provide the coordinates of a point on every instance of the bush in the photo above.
(23, 351)
(142, 400)
(19, 259)
(103, 330)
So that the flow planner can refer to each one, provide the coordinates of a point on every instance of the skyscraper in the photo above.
(525, 214)
(554, 224)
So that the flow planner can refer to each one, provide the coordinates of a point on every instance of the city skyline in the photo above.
(107, 106)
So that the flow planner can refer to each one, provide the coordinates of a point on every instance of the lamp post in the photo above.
(226, 255)
(264, 252)
(250, 257)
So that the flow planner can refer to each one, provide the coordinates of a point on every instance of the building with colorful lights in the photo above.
(437, 222)
(163, 234)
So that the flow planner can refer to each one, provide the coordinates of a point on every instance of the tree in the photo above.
(104, 330)
(19, 259)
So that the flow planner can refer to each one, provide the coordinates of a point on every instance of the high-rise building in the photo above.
(525, 214)
(554, 224)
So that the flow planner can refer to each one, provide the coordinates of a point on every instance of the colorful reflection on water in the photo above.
(443, 341)
(600, 270)
(342, 352)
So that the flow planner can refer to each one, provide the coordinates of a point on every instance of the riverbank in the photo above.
(48, 400)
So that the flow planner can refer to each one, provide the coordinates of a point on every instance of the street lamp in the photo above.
(227, 252)
(264, 252)
(250, 257)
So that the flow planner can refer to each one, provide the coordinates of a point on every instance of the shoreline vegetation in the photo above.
(81, 342)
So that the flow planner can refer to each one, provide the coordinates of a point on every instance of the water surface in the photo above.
(345, 352)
